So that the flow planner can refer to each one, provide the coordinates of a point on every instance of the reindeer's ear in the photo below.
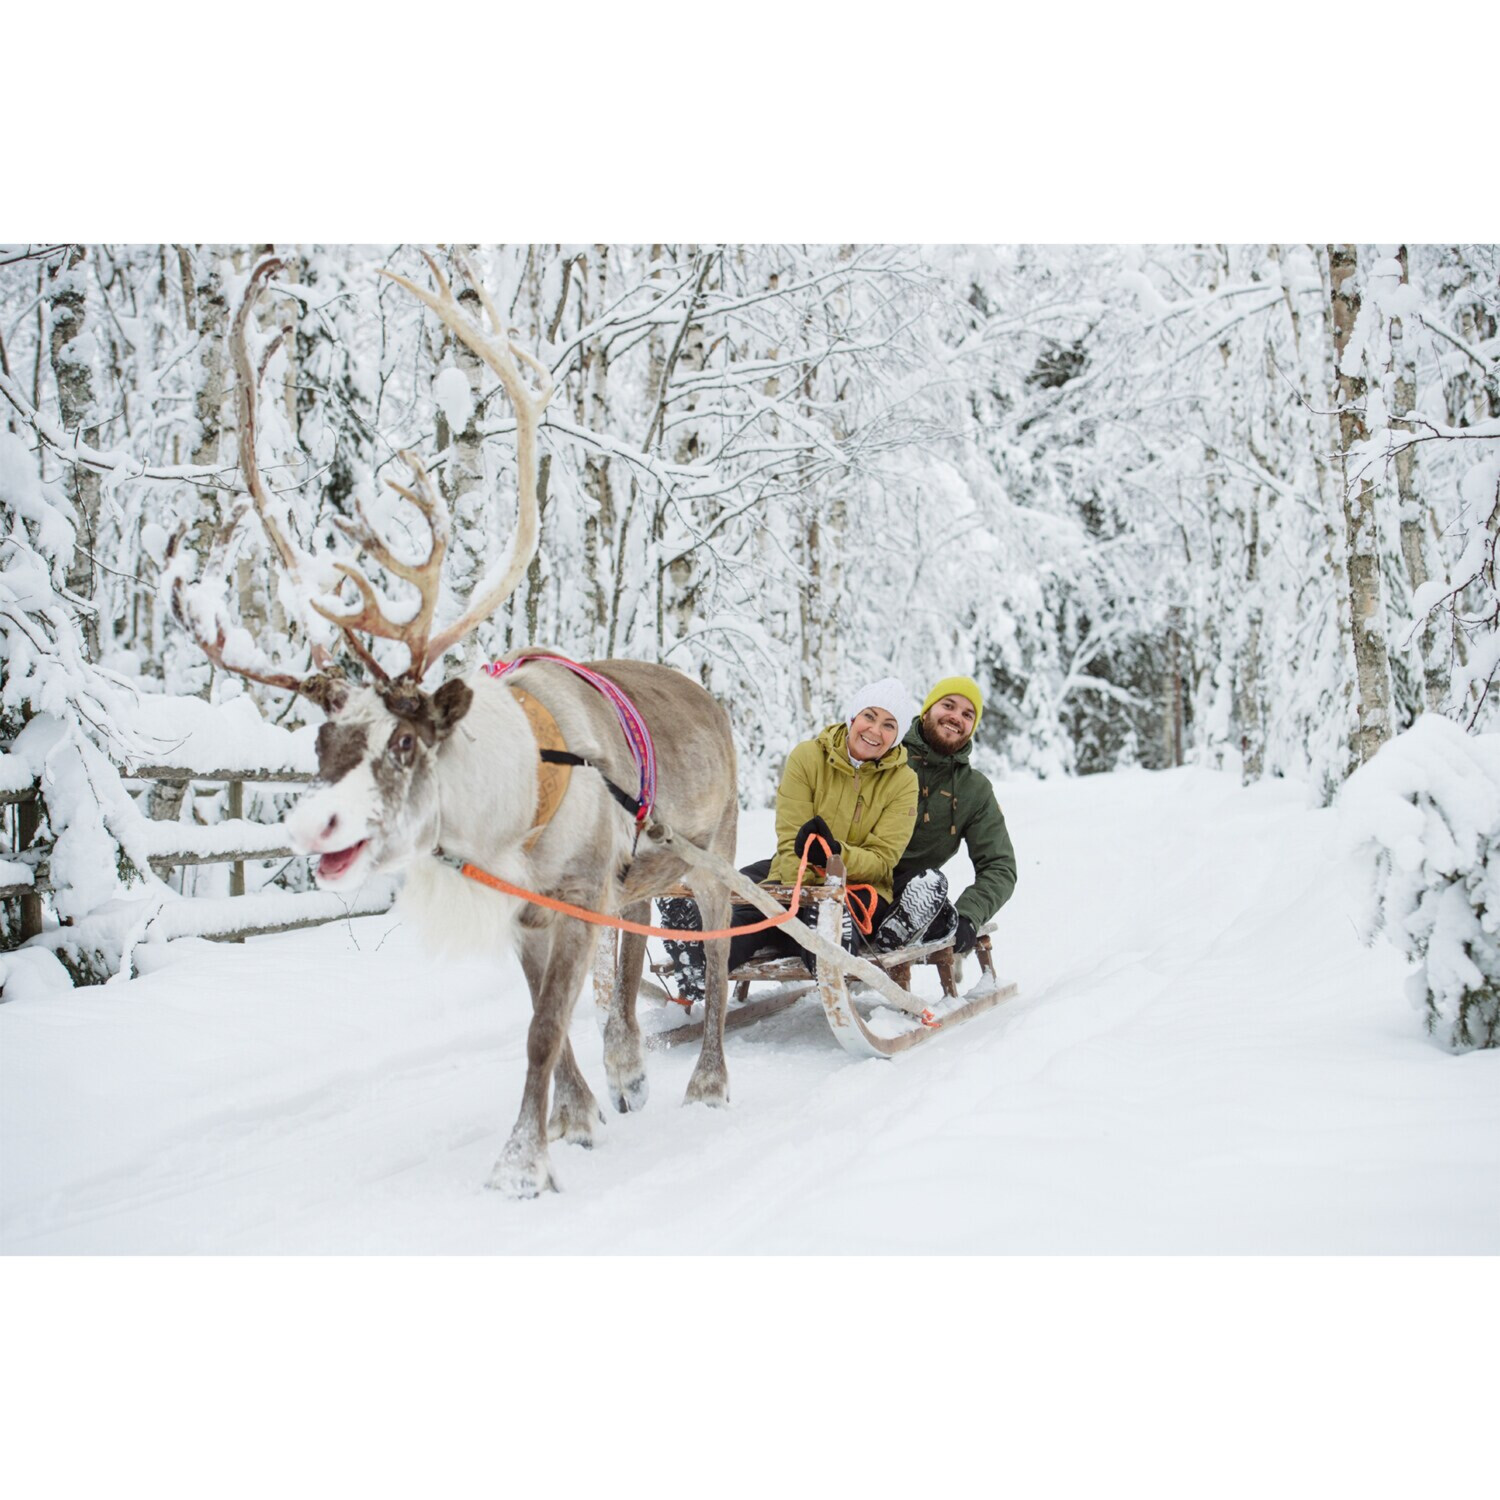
(328, 690)
(449, 704)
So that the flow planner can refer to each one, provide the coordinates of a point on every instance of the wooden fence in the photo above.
(235, 840)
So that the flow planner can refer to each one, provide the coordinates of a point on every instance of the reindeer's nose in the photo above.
(330, 826)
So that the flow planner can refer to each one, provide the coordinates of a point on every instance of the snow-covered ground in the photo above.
(1202, 1059)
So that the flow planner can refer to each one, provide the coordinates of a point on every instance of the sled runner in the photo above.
(898, 1020)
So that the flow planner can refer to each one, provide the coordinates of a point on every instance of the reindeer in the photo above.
(411, 778)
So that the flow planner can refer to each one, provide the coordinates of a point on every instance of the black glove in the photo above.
(808, 829)
(964, 936)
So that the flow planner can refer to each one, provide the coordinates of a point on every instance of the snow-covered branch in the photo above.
(120, 464)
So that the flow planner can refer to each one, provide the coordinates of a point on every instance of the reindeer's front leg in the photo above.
(575, 1111)
(554, 971)
(524, 1168)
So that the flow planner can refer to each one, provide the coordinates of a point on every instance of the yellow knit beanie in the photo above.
(965, 687)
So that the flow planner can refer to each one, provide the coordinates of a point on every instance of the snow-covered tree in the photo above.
(1423, 818)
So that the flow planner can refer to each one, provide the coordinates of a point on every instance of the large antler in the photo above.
(426, 577)
(500, 354)
(246, 395)
(202, 618)
(325, 688)
(371, 616)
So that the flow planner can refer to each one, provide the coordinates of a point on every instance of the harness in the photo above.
(557, 760)
(556, 768)
(552, 784)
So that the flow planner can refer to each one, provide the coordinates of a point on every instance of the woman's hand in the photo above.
(815, 826)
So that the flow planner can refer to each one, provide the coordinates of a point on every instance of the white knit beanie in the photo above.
(890, 694)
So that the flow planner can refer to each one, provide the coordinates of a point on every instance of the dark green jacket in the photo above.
(956, 804)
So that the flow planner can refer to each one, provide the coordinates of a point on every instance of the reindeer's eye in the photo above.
(403, 745)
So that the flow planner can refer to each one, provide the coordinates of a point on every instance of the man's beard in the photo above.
(942, 746)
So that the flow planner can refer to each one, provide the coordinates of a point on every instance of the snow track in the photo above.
(1202, 1058)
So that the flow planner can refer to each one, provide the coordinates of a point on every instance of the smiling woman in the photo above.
(853, 781)
(850, 785)
(872, 731)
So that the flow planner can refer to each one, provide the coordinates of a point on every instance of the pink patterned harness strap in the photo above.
(637, 736)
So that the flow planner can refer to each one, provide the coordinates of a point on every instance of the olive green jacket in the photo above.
(957, 805)
(870, 808)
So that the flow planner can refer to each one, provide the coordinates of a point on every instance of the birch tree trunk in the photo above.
(206, 310)
(681, 584)
(1172, 717)
(463, 481)
(599, 528)
(1415, 519)
(627, 564)
(1366, 607)
(535, 580)
(812, 602)
(71, 350)
(252, 593)
(1313, 444)
(1242, 610)
(208, 313)
(1248, 689)
(836, 515)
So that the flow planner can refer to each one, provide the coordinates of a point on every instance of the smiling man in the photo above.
(956, 805)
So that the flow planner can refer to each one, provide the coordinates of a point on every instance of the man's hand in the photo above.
(964, 937)
(822, 830)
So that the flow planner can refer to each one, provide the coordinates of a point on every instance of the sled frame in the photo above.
(851, 1029)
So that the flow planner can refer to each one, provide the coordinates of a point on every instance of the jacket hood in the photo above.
(835, 743)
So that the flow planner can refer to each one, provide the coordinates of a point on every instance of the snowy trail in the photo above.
(1202, 1059)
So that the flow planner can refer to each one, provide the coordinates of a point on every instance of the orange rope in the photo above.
(862, 917)
(863, 910)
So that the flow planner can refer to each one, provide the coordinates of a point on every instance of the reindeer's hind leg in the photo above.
(575, 1111)
(624, 1064)
(554, 969)
(710, 1081)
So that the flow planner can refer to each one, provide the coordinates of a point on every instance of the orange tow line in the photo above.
(861, 907)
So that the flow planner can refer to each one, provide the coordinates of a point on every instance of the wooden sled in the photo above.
(899, 1019)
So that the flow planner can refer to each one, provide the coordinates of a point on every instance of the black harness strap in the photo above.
(632, 805)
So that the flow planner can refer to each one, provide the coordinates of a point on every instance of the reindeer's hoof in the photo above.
(707, 1088)
(629, 1095)
(575, 1126)
(520, 1176)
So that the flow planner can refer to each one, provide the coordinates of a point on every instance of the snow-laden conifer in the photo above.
(1423, 819)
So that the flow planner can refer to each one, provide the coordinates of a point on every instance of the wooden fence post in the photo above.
(28, 820)
(237, 810)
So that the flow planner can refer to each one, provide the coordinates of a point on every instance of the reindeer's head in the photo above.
(376, 804)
